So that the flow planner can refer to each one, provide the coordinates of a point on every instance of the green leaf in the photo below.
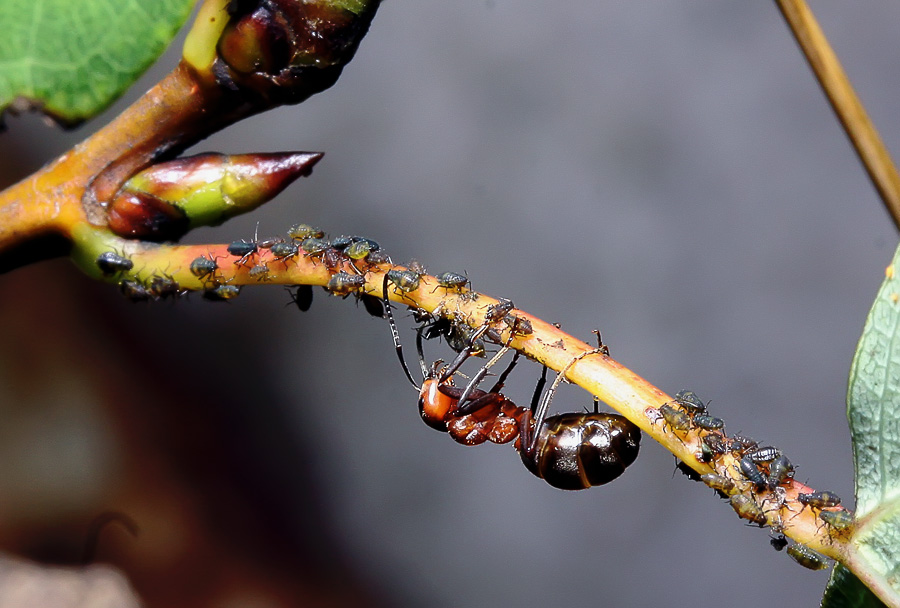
(873, 398)
(74, 57)
(844, 590)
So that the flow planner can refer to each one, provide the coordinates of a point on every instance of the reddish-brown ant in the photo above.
(570, 451)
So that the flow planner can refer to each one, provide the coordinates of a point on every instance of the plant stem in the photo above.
(849, 109)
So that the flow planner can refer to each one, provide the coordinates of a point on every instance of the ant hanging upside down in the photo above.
(570, 451)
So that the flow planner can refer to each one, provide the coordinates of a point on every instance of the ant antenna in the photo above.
(421, 352)
(541, 414)
(464, 353)
(394, 333)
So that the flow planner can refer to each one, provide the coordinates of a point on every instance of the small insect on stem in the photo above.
(752, 473)
(720, 483)
(111, 263)
(746, 508)
(819, 500)
(837, 520)
(806, 557)
(343, 284)
(451, 281)
(204, 268)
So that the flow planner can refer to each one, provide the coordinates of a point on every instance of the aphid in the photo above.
(752, 473)
(222, 293)
(839, 520)
(451, 281)
(343, 284)
(690, 402)
(284, 251)
(359, 250)
(417, 267)
(819, 500)
(314, 246)
(780, 470)
(378, 257)
(746, 508)
(715, 444)
(778, 542)
(403, 280)
(304, 231)
(706, 454)
(761, 455)
(242, 250)
(111, 263)
(134, 291)
(720, 483)
(260, 272)
(806, 557)
(270, 242)
(707, 422)
(302, 297)
(497, 311)
(739, 444)
(334, 259)
(162, 287)
(676, 419)
(341, 242)
(203, 267)
(518, 325)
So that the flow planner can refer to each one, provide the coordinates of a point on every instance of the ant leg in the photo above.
(541, 414)
(501, 380)
(525, 428)
(463, 354)
(465, 405)
(483, 371)
(394, 333)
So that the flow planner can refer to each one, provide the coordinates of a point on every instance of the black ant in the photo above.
(569, 451)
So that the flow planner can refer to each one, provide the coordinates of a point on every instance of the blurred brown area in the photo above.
(103, 415)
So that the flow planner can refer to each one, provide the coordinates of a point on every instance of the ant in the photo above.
(570, 451)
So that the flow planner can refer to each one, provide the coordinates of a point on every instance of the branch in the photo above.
(599, 374)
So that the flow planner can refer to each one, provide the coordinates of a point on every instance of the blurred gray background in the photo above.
(668, 172)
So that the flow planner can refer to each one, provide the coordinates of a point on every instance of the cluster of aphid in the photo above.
(302, 239)
(753, 478)
(570, 451)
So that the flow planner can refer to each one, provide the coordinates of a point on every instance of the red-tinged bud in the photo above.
(138, 215)
(165, 200)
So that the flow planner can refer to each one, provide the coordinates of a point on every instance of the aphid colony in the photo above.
(354, 252)
(753, 478)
